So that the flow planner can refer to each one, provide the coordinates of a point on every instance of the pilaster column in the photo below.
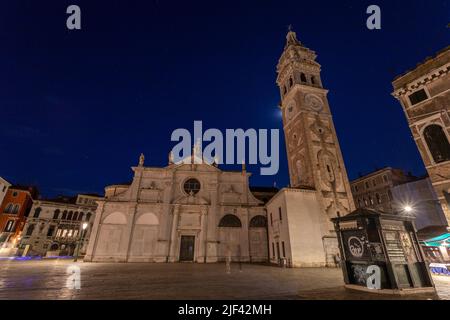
(173, 234)
(93, 238)
(245, 249)
(203, 235)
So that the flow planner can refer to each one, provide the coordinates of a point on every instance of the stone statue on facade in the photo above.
(141, 160)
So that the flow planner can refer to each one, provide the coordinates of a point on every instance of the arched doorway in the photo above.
(145, 236)
(258, 239)
(111, 231)
(230, 228)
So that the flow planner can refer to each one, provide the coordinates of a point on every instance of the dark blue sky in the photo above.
(78, 107)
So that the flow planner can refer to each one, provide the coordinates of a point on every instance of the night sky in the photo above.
(78, 107)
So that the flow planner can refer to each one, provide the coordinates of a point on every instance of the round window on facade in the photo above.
(191, 186)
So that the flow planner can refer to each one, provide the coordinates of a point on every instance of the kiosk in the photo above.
(370, 240)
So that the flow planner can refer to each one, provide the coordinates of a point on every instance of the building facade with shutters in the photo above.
(54, 226)
(424, 94)
(14, 210)
(390, 190)
(4, 185)
(374, 190)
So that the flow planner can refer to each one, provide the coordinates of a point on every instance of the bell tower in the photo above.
(314, 156)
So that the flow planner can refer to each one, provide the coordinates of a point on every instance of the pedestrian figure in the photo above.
(239, 255)
(337, 260)
(228, 260)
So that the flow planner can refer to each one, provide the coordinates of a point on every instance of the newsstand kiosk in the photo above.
(371, 240)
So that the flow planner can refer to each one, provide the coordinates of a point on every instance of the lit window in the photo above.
(378, 198)
(9, 226)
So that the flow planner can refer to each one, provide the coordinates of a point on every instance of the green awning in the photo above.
(442, 240)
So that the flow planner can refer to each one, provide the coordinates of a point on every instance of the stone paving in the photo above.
(46, 279)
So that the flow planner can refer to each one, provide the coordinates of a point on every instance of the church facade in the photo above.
(182, 212)
(197, 212)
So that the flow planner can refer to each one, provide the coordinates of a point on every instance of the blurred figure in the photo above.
(228, 260)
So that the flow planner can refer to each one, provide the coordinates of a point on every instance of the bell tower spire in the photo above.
(314, 156)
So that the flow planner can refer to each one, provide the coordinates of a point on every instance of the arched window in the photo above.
(88, 216)
(9, 226)
(69, 216)
(378, 198)
(15, 210)
(360, 203)
(56, 214)
(437, 143)
(80, 217)
(8, 208)
(291, 82)
(37, 212)
(75, 216)
(30, 230)
(313, 80)
(302, 77)
(258, 222)
(230, 221)
(64, 215)
(284, 90)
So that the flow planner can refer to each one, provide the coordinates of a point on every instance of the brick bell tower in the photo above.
(314, 156)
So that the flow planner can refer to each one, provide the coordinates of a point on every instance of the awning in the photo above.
(442, 240)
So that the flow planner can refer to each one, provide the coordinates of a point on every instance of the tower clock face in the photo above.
(314, 102)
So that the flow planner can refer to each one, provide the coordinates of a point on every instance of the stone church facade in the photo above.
(182, 212)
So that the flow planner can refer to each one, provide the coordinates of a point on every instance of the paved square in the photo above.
(47, 279)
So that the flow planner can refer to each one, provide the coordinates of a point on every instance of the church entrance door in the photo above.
(187, 248)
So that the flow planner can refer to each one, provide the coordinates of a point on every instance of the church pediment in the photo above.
(201, 167)
(191, 199)
(151, 195)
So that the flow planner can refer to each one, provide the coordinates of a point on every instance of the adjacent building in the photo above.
(421, 199)
(374, 190)
(393, 191)
(424, 94)
(4, 185)
(13, 213)
(55, 226)
(300, 227)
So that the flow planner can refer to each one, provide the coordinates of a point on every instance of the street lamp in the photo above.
(407, 208)
(80, 242)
